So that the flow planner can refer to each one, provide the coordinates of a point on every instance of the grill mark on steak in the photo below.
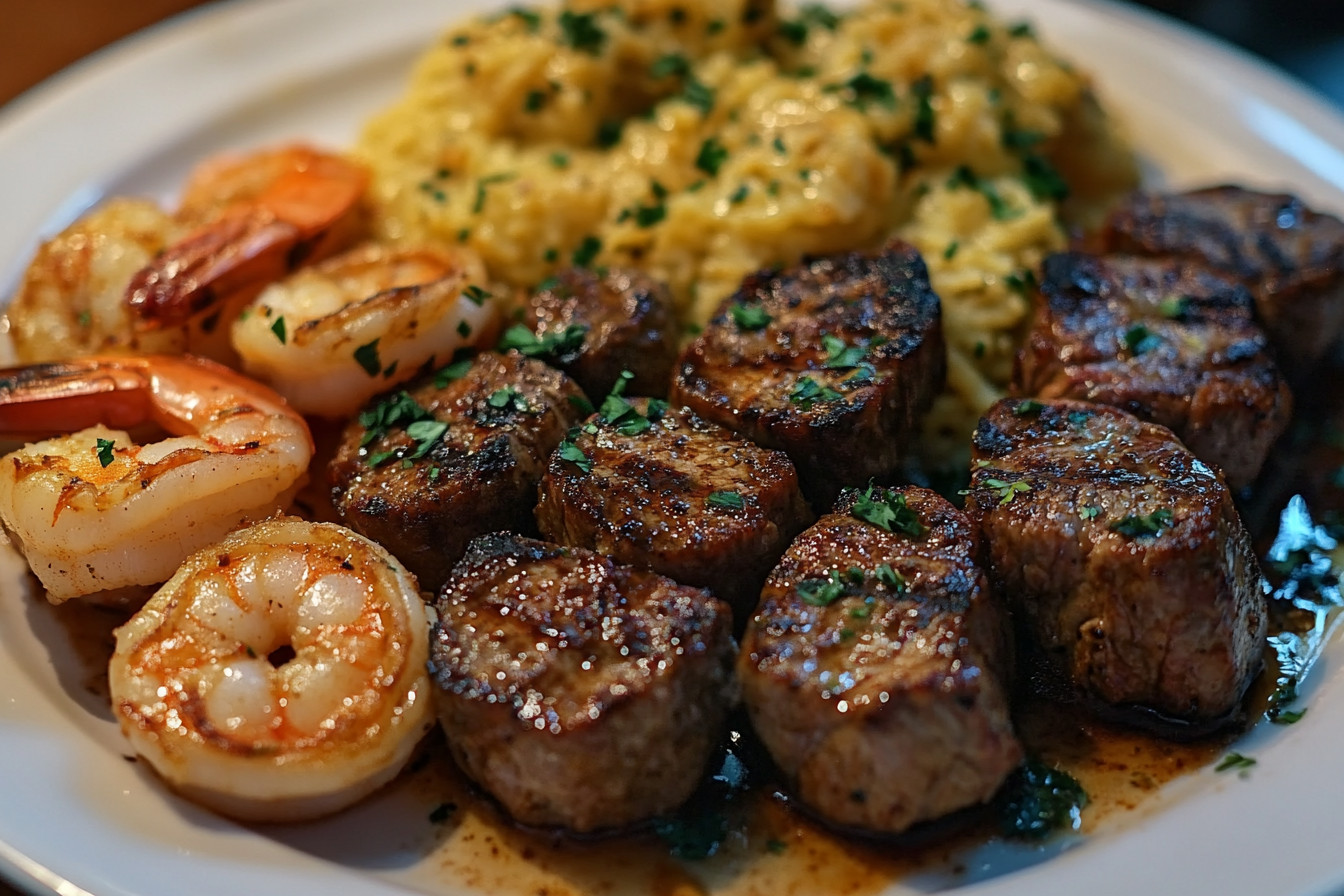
(877, 663)
(1167, 340)
(480, 475)
(579, 693)
(842, 418)
(1123, 557)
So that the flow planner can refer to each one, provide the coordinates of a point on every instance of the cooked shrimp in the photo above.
(258, 216)
(131, 277)
(72, 296)
(279, 675)
(94, 512)
(332, 336)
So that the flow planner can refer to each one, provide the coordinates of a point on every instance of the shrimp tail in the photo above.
(41, 400)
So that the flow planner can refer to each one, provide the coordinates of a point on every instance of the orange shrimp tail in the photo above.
(297, 218)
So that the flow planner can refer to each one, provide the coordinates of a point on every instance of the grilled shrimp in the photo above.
(132, 277)
(332, 336)
(95, 512)
(277, 676)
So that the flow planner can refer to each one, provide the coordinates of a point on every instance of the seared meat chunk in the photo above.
(1290, 257)
(594, 325)
(875, 668)
(664, 490)
(577, 692)
(424, 470)
(1167, 340)
(834, 361)
(1123, 556)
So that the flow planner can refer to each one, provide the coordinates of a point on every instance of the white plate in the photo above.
(74, 815)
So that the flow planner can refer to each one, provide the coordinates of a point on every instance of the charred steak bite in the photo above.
(834, 361)
(596, 324)
(424, 470)
(1290, 257)
(579, 693)
(875, 667)
(662, 489)
(1167, 340)
(1123, 558)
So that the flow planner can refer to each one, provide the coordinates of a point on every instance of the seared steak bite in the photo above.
(1167, 340)
(577, 692)
(664, 490)
(875, 668)
(1290, 257)
(424, 470)
(834, 361)
(1123, 557)
(594, 325)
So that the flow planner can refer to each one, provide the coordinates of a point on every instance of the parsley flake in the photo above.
(840, 356)
(278, 328)
(476, 295)
(1147, 526)
(1234, 762)
(807, 392)
(726, 500)
(568, 451)
(367, 357)
(925, 125)
(887, 510)
(1008, 490)
(581, 31)
(822, 592)
(711, 156)
(553, 345)
(586, 252)
(749, 317)
(104, 450)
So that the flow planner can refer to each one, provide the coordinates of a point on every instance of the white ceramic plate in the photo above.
(75, 816)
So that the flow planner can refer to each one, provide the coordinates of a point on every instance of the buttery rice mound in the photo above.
(701, 140)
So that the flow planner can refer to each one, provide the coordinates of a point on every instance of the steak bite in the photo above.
(834, 361)
(1167, 340)
(665, 490)
(1290, 257)
(1123, 558)
(577, 692)
(594, 325)
(459, 453)
(875, 668)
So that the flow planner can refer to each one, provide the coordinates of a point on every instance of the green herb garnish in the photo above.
(581, 31)
(726, 500)
(278, 328)
(749, 317)
(807, 391)
(886, 509)
(104, 451)
(1038, 799)
(1146, 526)
(1234, 762)
(367, 357)
(553, 345)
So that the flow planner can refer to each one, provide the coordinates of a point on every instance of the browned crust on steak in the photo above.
(1166, 340)
(755, 381)
(887, 705)
(1171, 622)
(649, 499)
(479, 476)
(1289, 256)
(577, 692)
(629, 321)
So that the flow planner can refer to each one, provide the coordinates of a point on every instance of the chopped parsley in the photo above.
(568, 451)
(1029, 407)
(454, 371)
(367, 357)
(1234, 762)
(508, 397)
(890, 577)
(1139, 339)
(1038, 799)
(1008, 490)
(698, 95)
(278, 328)
(669, 65)
(552, 345)
(807, 392)
(840, 356)
(749, 317)
(1089, 511)
(925, 122)
(586, 252)
(979, 35)
(822, 592)
(951, 251)
(618, 412)
(104, 451)
(1146, 526)
(726, 500)
(1174, 307)
(476, 295)
(482, 184)
(1042, 179)
(810, 15)
(887, 510)
(581, 31)
(559, 160)
(965, 177)
(866, 90)
(711, 156)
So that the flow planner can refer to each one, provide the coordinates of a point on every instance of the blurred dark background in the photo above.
(1305, 38)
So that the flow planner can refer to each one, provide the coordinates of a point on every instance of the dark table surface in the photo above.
(40, 37)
